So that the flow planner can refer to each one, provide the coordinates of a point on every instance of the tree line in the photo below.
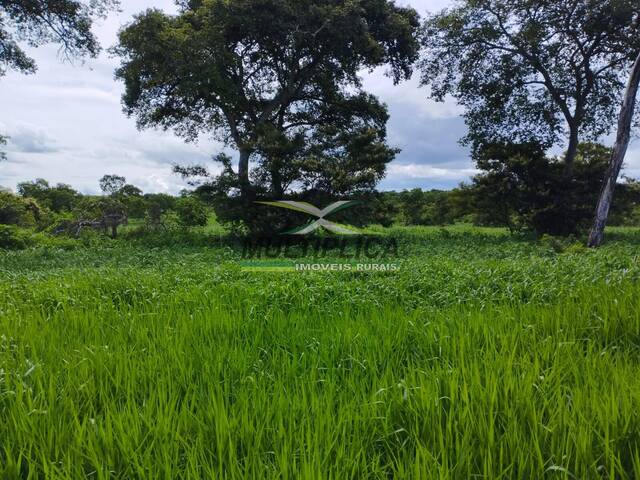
(500, 196)
(279, 82)
(61, 209)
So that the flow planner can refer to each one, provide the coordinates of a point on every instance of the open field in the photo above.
(484, 356)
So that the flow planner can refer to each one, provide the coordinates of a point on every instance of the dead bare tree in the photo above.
(617, 158)
(103, 224)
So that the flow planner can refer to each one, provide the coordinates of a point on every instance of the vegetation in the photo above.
(551, 72)
(65, 22)
(24, 212)
(191, 212)
(61, 198)
(276, 80)
(517, 189)
(112, 184)
(524, 189)
(168, 362)
(436, 343)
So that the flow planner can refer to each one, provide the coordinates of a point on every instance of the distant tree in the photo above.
(533, 71)
(158, 206)
(106, 213)
(12, 209)
(36, 22)
(61, 198)
(37, 189)
(422, 207)
(129, 191)
(112, 184)
(266, 76)
(131, 197)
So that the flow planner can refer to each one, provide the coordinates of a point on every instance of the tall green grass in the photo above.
(483, 357)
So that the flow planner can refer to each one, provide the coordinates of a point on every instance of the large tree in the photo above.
(36, 22)
(267, 76)
(548, 71)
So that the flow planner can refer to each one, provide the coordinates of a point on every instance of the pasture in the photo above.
(482, 356)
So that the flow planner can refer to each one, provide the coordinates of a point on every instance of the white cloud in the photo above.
(413, 170)
(25, 138)
(409, 93)
(632, 161)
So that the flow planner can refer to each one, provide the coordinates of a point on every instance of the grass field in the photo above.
(484, 356)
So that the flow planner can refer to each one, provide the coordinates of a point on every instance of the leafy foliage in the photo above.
(95, 207)
(526, 72)
(277, 80)
(21, 211)
(13, 238)
(522, 188)
(61, 198)
(158, 206)
(112, 184)
(509, 358)
(36, 22)
(191, 212)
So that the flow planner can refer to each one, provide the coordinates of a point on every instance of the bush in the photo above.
(191, 212)
(158, 206)
(25, 212)
(522, 188)
(12, 209)
(90, 208)
(13, 238)
(61, 198)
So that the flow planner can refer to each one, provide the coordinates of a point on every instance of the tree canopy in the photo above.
(36, 22)
(59, 198)
(521, 187)
(550, 72)
(112, 184)
(269, 78)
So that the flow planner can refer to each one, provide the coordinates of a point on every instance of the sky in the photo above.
(66, 124)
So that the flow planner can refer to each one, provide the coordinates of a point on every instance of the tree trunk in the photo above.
(572, 150)
(114, 230)
(243, 171)
(277, 189)
(617, 158)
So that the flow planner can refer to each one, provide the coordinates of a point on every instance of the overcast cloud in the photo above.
(66, 125)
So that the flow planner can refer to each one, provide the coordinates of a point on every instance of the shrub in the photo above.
(12, 209)
(13, 238)
(191, 212)
(25, 212)
(524, 189)
(60, 198)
